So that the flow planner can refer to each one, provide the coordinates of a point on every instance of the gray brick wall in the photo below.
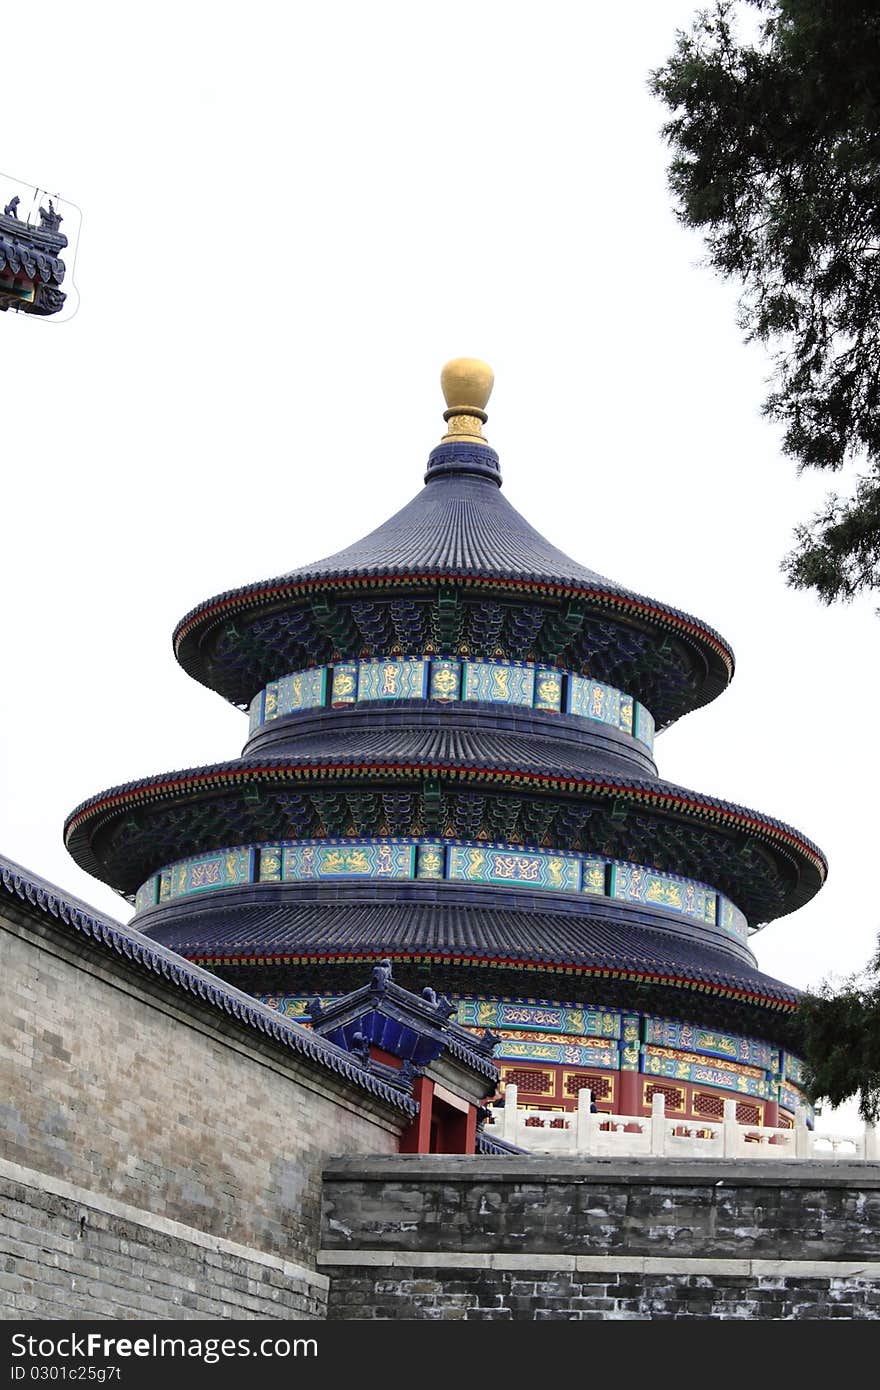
(61, 1258)
(128, 1089)
(387, 1292)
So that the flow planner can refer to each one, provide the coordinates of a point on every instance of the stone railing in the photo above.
(599, 1135)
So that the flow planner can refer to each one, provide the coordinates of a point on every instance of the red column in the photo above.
(470, 1138)
(417, 1138)
(771, 1114)
(629, 1093)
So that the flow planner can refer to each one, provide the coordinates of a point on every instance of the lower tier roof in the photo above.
(552, 943)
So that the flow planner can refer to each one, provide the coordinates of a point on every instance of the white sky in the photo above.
(292, 216)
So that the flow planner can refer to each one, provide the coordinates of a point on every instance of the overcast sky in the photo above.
(292, 216)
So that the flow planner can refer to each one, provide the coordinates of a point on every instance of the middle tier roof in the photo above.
(580, 798)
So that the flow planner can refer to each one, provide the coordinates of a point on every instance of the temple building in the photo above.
(31, 268)
(450, 766)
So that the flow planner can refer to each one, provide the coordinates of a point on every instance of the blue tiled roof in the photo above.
(23, 247)
(460, 527)
(433, 930)
(440, 751)
(457, 745)
(499, 1148)
(21, 886)
(405, 1024)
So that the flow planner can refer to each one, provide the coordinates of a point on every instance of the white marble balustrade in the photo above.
(600, 1135)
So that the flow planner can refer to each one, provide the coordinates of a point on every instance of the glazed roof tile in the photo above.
(29, 248)
(458, 527)
(472, 933)
(443, 752)
(461, 527)
(414, 1015)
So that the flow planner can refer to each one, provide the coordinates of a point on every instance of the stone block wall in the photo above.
(538, 1238)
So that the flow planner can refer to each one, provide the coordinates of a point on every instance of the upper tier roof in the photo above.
(459, 533)
(459, 524)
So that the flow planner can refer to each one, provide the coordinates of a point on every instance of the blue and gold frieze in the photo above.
(792, 1069)
(548, 689)
(348, 859)
(225, 869)
(453, 861)
(630, 1039)
(594, 874)
(731, 921)
(431, 860)
(635, 883)
(345, 683)
(392, 680)
(147, 895)
(256, 712)
(627, 710)
(499, 682)
(570, 1054)
(447, 679)
(550, 1018)
(684, 1066)
(557, 873)
(663, 1033)
(643, 725)
(593, 700)
(793, 1100)
(299, 691)
(271, 859)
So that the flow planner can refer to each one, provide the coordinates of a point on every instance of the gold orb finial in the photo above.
(467, 385)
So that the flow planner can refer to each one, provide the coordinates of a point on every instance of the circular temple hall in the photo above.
(450, 766)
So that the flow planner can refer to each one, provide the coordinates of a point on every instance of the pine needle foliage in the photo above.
(776, 160)
(840, 1041)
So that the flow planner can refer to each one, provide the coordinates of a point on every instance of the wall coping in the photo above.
(552, 1170)
(564, 1262)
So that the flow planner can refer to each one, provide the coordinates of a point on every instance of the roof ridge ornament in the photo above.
(467, 385)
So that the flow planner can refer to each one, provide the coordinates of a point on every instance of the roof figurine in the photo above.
(381, 976)
(50, 220)
(450, 767)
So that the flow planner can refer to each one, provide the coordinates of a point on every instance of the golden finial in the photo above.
(467, 385)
